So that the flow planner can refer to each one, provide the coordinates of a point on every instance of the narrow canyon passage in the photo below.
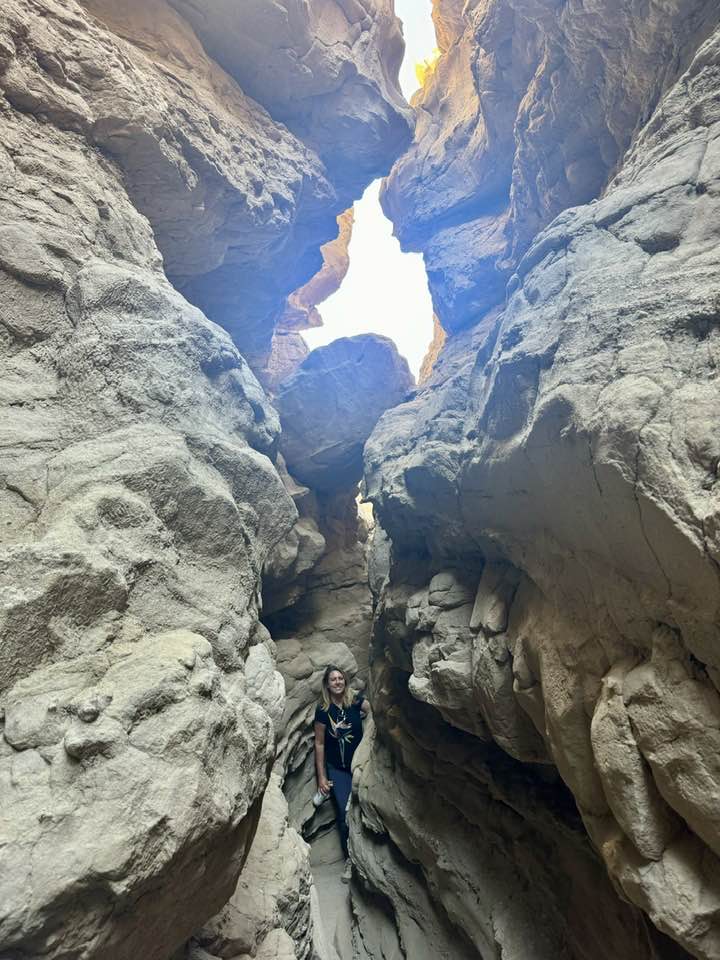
(511, 544)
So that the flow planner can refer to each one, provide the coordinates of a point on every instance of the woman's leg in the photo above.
(341, 789)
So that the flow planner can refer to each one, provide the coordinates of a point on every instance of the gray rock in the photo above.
(329, 407)
(107, 819)
(529, 111)
(268, 915)
(567, 432)
(138, 490)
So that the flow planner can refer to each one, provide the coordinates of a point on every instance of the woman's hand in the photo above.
(324, 785)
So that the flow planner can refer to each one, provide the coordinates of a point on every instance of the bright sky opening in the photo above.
(385, 291)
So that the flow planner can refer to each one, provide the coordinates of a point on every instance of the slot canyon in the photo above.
(515, 557)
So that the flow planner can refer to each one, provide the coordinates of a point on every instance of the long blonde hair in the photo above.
(347, 695)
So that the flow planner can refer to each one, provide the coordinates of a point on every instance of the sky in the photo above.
(385, 291)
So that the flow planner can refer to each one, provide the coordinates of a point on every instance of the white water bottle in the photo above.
(320, 798)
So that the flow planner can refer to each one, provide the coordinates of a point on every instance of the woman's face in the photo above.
(336, 682)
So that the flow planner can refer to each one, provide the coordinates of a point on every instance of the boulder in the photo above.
(329, 407)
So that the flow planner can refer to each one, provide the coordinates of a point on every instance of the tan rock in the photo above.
(288, 348)
(675, 717)
(566, 429)
(287, 352)
(133, 772)
(433, 351)
(495, 593)
(270, 908)
(629, 787)
(504, 127)
(448, 830)
(138, 449)
(300, 312)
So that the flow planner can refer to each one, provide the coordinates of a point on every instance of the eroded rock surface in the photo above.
(332, 402)
(549, 494)
(288, 348)
(122, 772)
(139, 490)
(269, 911)
(544, 100)
(543, 778)
(327, 69)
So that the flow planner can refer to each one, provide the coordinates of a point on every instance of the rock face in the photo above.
(551, 594)
(125, 771)
(330, 405)
(139, 492)
(327, 69)
(328, 72)
(545, 99)
(541, 640)
(316, 598)
(288, 349)
(267, 916)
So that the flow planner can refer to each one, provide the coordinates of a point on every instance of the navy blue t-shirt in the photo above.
(343, 733)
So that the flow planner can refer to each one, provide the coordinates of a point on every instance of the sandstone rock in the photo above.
(675, 717)
(139, 496)
(433, 352)
(329, 407)
(294, 556)
(495, 592)
(132, 787)
(449, 860)
(469, 679)
(288, 348)
(235, 200)
(264, 684)
(157, 105)
(287, 351)
(687, 866)
(629, 787)
(301, 310)
(569, 434)
(327, 70)
(528, 111)
(269, 913)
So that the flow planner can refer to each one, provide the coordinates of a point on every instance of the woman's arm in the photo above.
(323, 783)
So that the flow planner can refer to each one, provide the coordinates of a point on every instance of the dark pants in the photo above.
(341, 790)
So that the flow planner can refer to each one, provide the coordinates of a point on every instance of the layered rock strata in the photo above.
(549, 495)
(140, 497)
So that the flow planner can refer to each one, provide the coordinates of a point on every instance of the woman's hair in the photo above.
(347, 695)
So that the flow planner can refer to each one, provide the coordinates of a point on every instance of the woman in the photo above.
(338, 731)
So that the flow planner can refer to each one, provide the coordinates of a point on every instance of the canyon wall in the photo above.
(146, 177)
(535, 610)
(545, 661)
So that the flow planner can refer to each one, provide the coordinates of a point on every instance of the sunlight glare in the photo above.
(385, 291)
